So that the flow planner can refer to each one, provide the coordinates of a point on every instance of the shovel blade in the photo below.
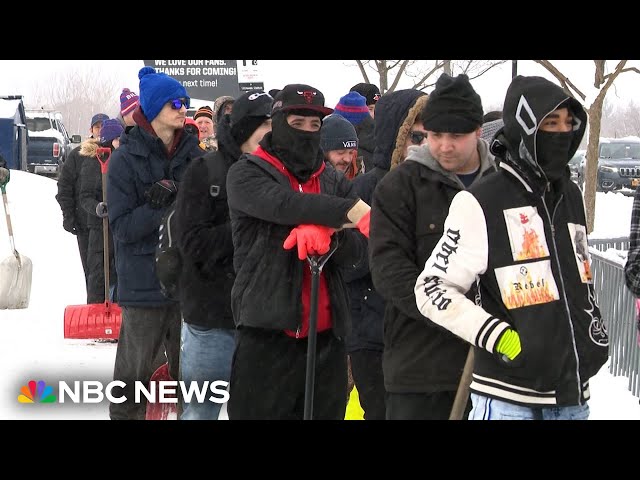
(15, 282)
(99, 321)
(157, 410)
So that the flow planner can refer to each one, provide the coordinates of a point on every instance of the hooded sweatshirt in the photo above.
(523, 239)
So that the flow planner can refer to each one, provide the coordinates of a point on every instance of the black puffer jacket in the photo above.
(396, 112)
(204, 235)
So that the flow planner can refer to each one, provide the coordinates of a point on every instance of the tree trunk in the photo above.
(591, 166)
(447, 67)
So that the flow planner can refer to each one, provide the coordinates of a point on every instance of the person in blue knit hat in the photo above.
(142, 182)
(353, 107)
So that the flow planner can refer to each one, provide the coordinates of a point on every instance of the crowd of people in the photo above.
(442, 230)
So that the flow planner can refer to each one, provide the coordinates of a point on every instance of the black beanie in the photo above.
(244, 128)
(453, 106)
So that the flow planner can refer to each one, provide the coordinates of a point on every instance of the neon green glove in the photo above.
(509, 344)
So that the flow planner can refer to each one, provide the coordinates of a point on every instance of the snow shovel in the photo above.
(316, 263)
(99, 321)
(15, 270)
(462, 394)
(157, 410)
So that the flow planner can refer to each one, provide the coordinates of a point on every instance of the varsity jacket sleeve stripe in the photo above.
(632, 267)
(455, 264)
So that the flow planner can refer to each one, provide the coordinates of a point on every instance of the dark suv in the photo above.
(49, 143)
(618, 165)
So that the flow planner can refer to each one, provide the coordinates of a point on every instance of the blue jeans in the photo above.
(485, 408)
(205, 355)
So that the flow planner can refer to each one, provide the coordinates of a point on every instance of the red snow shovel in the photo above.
(157, 410)
(15, 270)
(316, 263)
(100, 321)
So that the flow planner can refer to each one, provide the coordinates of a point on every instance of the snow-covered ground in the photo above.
(32, 344)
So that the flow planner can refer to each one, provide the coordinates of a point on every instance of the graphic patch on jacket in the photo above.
(527, 284)
(526, 233)
(578, 235)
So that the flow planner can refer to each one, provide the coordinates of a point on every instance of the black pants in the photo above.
(144, 334)
(95, 264)
(366, 367)
(422, 406)
(82, 236)
(268, 374)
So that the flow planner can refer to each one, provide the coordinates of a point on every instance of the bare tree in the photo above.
(602, 81)
(422, 74)
(78, 95)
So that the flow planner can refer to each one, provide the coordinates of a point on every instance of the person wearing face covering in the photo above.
(285, 205)
(520, 235)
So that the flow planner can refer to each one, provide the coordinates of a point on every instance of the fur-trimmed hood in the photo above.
(396, 112)
(89, 148)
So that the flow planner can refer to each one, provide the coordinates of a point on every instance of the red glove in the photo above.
(363, 224)
(311, 240)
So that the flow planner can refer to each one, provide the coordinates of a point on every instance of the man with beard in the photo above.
(282, 196)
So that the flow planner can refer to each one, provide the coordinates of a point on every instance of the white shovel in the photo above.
(15, 270)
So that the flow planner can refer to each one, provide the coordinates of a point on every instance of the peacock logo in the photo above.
(36, 392)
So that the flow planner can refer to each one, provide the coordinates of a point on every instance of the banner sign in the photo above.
(210, 79)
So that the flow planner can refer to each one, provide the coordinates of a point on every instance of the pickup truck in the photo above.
(49, 143)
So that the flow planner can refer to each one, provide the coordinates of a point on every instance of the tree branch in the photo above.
(563, 79)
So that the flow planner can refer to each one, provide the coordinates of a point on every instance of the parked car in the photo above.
(618, 165)
(576, 165)
(49, 142)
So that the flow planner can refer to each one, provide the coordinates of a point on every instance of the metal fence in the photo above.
(617, 306)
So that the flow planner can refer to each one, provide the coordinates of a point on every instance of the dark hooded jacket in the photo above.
(396, 112)
(366, 142)
(69, 184)
(204, 235)
(407, 220)
(525, 239)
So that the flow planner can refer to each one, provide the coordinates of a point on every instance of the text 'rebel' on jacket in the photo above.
(524, 241)
(409, 208)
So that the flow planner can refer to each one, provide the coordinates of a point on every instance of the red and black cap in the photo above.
(300, 97)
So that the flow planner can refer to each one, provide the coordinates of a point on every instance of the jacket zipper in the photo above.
(564, 291)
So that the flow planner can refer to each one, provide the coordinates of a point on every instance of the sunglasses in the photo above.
(417, 137)
(179, 102)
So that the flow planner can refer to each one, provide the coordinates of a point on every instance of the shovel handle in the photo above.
(9, 226)
(103, 155)
(3, 183)
(462, 394)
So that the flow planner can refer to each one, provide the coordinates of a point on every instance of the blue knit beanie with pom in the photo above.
(156, 89)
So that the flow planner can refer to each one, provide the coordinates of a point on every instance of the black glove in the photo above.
(101, 209)
(162, 193)
(69, 224)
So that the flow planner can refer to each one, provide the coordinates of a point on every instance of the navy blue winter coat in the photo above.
(141, 161)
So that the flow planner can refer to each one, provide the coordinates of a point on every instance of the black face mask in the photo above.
(298, 150)
(553, 153)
